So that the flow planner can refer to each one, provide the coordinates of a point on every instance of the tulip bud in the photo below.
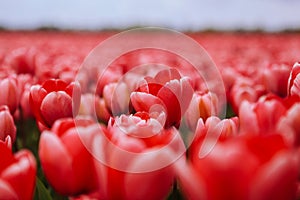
(67, 164)
(201, 106)
(7, 126)
(9, 93)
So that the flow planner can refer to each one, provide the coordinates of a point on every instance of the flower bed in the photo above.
(148, 126)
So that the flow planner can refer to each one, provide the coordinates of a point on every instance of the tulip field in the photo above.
(103, 115)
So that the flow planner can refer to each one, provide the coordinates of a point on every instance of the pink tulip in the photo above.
(275, 79)
(213, 130)
(244, 89)
(9, 93)
(7, 125)
(261, 117)
(294, 81)
(116, 97)
(203, 105)
(22, 60)
(288, 125)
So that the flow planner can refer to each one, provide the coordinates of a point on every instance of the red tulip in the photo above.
(22, 60)
(66, 163)
(7, 125)
(244, 89)
(53, 100)
(275, 79)
(167, 92)
(136, 152)
(9, 93)
(261, 117)
(17, 174)
(261, 167)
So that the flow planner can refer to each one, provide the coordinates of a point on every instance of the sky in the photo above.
(270, 15)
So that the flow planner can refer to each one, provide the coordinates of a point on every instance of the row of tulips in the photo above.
(149, 134)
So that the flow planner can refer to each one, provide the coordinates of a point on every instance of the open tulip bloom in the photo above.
(150, 126)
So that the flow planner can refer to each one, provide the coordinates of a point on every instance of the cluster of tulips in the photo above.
(155, 132)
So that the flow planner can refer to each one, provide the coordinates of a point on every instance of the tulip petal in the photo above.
(37, 94)
(56, 163)
(6, 192)
(54, 85)
(166, 75)
(276, 180)
(143, 102)
(56, 105)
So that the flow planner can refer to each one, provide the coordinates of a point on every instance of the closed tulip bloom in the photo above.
(9, 93)
(244, 89)
(261, 117)
(208, 133)
(7, 125)
(17, 174)
(203, 105)
(66, 163)
(137, 152)
(54, 99)
(275, 79)
(289, 125)
(116, 97)
(22, 60)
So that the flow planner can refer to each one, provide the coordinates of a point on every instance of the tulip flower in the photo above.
(261, 117)
(22, 60)
(66, 163)
(260, 167)
(7, 125)
(275, 79)
(293, 82)
(289, 125)
(116, 97)
(111, 75)
(244, 89)
(136, 152)
(213, 130)
(53, 100)
(9, 93)
(171, 92)
(201, 106)
(17, 174)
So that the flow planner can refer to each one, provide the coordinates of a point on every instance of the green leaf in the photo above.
(41, 192)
